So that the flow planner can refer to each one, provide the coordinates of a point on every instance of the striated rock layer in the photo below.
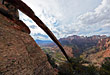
(19, 53)
(104, 52)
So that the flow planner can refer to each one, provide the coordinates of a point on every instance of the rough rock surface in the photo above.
(104, 52)
(69, 51)
(19, 53)
(20, 24)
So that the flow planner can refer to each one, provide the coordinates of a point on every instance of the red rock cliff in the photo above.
(19, 53)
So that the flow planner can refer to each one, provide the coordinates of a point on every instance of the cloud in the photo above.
(98, 19)
(69, 17)
(99, 15)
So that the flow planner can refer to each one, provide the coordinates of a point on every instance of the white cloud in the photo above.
(100, 17)
(64, 17)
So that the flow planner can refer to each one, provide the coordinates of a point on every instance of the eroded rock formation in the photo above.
(19, 53)
(19, 4)
(103, 52)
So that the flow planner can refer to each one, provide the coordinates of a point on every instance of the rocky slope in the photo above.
(103, 51)
(75, 45)
(80, 44)
(19, 53)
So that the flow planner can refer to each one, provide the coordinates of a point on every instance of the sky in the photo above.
(69, 17)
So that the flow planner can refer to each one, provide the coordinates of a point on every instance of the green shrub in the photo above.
(105, 69)
(77, 68)
(65, 69)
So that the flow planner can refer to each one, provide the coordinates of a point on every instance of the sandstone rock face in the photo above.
(104, 52)
(69, 51)
(81, 43)
(18, 24)
(19, 53)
